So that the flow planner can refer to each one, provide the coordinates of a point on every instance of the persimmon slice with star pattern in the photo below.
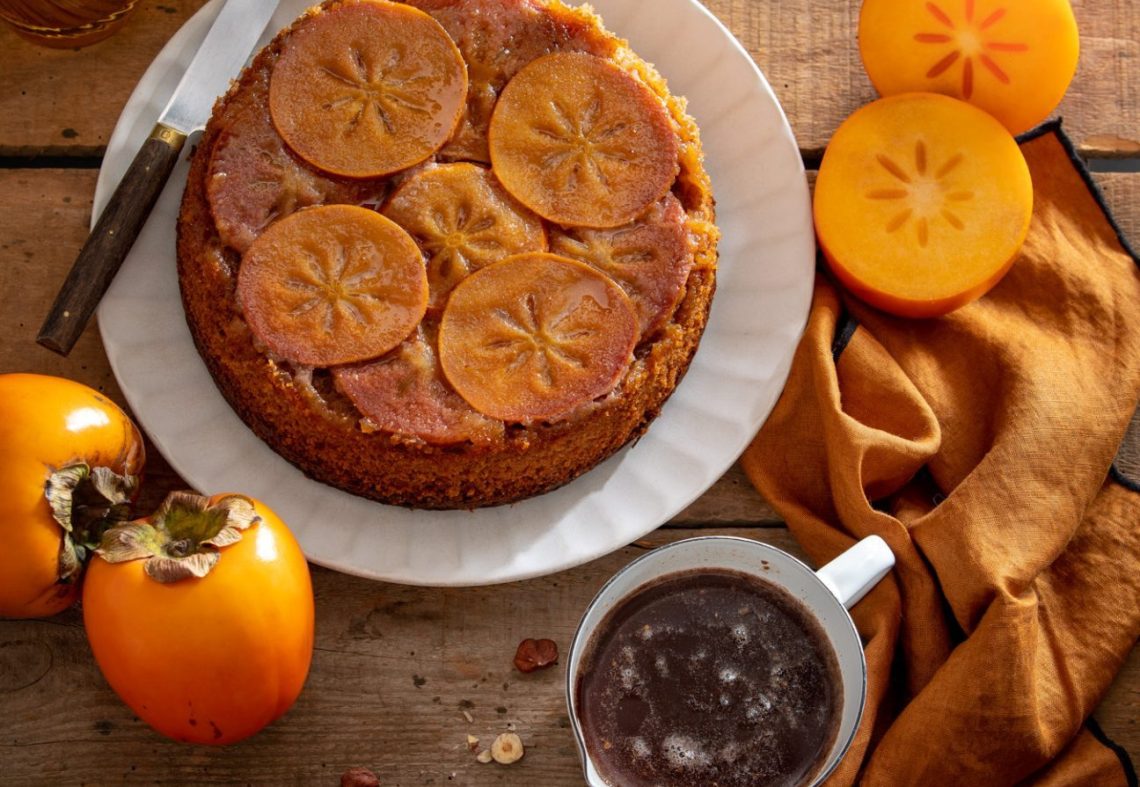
(463, 219)
(581, 142)
(1013, 58)
(534, 336)
(498, 39)
(649, 258)
(367, 88)
(333, 284)
(922, 203)
(253, 181)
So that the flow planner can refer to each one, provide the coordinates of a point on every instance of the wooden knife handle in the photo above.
(112, 238)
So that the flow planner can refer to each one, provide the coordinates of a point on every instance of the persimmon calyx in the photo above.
(86, 501)
(184, 538)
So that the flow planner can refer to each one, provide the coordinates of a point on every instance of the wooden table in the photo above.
(396, 667)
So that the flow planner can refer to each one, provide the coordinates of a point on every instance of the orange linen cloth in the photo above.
(979, 445)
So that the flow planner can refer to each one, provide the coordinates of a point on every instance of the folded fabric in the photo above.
(980, 446)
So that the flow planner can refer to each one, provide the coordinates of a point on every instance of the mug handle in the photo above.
(852, 575)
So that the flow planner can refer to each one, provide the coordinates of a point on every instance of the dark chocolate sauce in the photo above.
(710, 678)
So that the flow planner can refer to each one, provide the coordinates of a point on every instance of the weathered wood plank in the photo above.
(809, 53)
(357, 709)
(56, 204)
(62, 102)
(45, 214)
(807, 49)
(393, 670)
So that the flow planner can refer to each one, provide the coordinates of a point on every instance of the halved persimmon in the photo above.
(367, 88)
(332, 284)
(1013, 58)
(463, 219)
(649, 258)
(404, 392)
(534, 336)
(581, 142)
(253, 181)
(922, 203)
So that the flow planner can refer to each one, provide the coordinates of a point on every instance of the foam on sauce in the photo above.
(709, 678)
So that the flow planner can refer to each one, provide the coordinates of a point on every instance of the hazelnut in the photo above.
(484, 756)
(359, 777)
(533, 654)
(507, 748)
(472, 742)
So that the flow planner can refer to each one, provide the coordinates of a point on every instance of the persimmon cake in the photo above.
(447, 253)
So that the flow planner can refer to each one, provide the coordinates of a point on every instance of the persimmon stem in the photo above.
(86, 502)
(183, 538)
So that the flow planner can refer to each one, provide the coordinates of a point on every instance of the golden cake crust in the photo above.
(299, 413)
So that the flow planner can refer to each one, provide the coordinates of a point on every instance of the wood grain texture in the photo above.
(394, 664)
(806, 48)
(809, 53)
(393, 671)
(362, 706)
(56, 204)
(64, 102)
(110, 241)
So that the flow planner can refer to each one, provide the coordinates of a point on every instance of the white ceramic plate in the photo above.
(767, 259)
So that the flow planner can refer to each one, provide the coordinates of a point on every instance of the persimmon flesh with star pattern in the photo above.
(581, 142)
(922, 203)
(534, 336)
(367, 88)
(1012, 58)
(404, 393)
(253, 181)
(332, 284)
(463, 220)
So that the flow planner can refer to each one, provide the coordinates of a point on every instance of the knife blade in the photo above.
(220, 57)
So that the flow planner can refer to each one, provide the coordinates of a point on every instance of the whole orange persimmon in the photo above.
(201, 617)
(69, 458)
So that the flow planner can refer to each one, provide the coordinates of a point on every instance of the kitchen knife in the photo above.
(221, 56)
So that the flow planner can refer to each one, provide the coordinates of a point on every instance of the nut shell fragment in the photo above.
(507, 748)
(359, 777)
(536, 654)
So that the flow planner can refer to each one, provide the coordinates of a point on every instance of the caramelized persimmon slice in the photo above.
(367, 88)
(497, 39)
(922, 203)
(534, 336)
(331, 285)
(463, 219)
(405, 393)
(649, 258)
(581, 142)
(1013, 58)
(253, 181)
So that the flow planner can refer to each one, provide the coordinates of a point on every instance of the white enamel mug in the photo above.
(827, 594)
